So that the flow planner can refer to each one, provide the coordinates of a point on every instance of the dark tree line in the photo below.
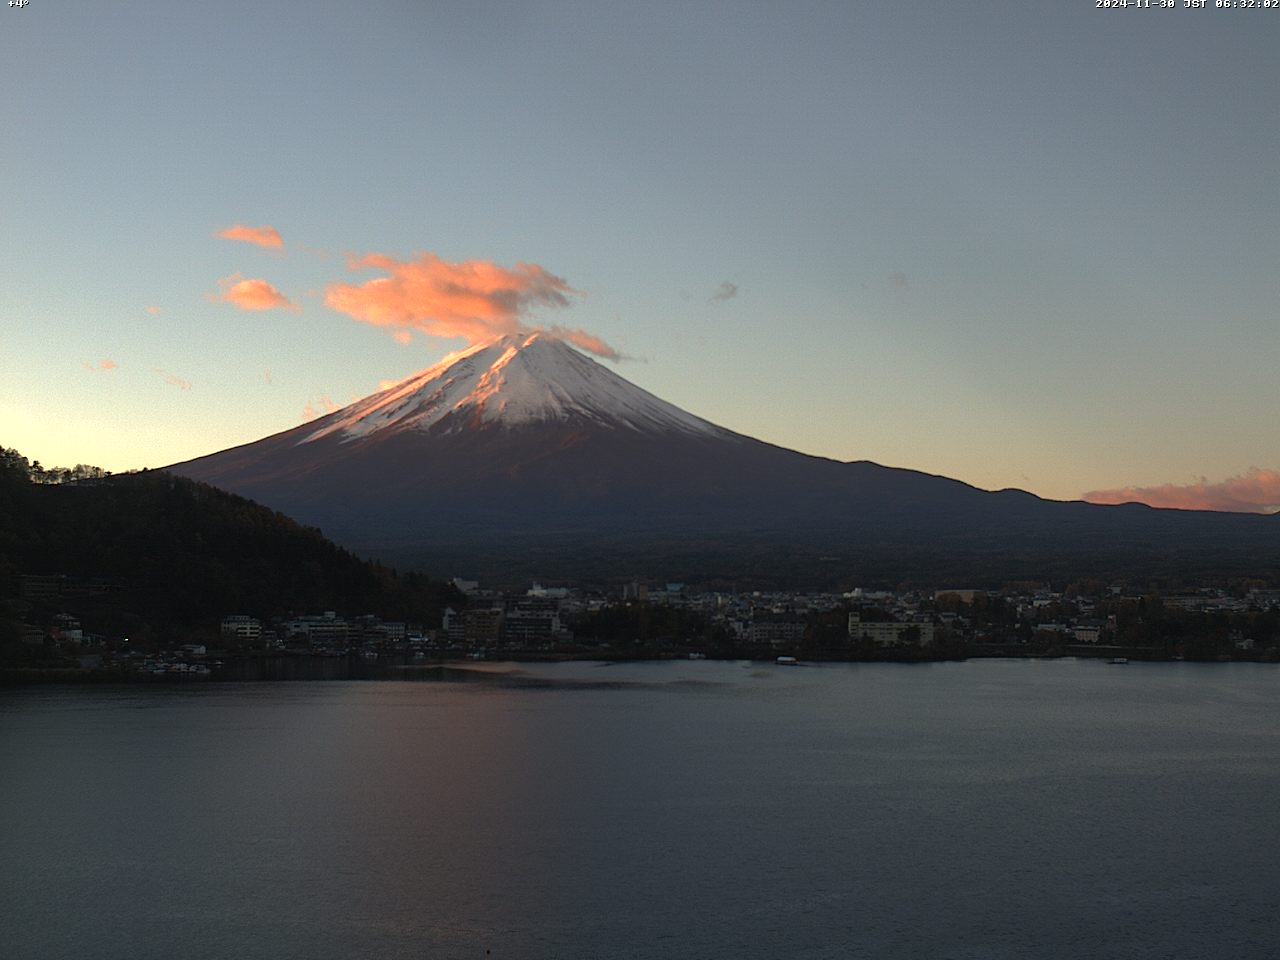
(178, 555)
(14, 463)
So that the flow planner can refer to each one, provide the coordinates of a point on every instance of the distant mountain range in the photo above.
(523, 458)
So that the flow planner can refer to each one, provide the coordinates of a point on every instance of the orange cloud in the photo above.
(265, 236)
(105, 364)
(1254, 491)
(153, 310)
(587, 341)
(253, 294)
(477, 300)
(402, 336)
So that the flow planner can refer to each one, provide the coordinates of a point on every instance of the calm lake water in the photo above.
(992, 809)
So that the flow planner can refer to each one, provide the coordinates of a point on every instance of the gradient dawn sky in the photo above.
(1020, 244)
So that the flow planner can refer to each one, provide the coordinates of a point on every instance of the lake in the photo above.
(986, 809)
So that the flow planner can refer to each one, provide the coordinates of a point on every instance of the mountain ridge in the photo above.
(522, 457)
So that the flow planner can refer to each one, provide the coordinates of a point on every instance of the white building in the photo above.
(1087, 633)
(777, 631)
(320, 630)
(888, 633)
(241, 628)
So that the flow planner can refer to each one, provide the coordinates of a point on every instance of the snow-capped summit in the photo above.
(512, 381)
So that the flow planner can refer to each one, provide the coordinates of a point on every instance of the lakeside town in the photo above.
(645, 620)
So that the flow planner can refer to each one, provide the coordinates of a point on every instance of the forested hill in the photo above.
(166, 553)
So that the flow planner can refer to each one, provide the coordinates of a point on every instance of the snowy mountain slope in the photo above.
(516, 380)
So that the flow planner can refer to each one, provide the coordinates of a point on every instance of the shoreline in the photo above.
(306, 667)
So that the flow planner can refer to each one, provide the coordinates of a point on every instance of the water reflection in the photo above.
(681, 809)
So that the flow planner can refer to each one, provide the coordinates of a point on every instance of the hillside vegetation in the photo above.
(146, 554)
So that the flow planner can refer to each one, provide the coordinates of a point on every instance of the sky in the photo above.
(1022, 245)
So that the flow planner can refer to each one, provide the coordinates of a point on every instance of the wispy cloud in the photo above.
(173, 379)
(1254, 491)
(585, 341)
(266, 377)
(726, 291)
(253, 294)
(319, 408)
(477, 300)
(899, 280)
(153, 310)
(264, 236)
(101, 366)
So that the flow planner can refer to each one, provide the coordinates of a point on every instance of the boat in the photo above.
(786, 661)
(1118, 660)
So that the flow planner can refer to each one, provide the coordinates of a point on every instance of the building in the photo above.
(1087, 632)
(776, 629)
(475, 627)
(241, 628)
(371, 629)
(553, 593)
(454, 626)
(66, 629)
(532, 621)
(319, 631)
(889, 633)
(482, 627)
(635, 590)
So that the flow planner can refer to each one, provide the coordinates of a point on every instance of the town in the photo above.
(644, 620)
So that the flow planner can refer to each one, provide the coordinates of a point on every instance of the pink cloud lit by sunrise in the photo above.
(477, 300)
(254, 294)
(1254, 491)
(264, 236)
(586, 341)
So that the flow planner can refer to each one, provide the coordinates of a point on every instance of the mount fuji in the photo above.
(522, 457)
